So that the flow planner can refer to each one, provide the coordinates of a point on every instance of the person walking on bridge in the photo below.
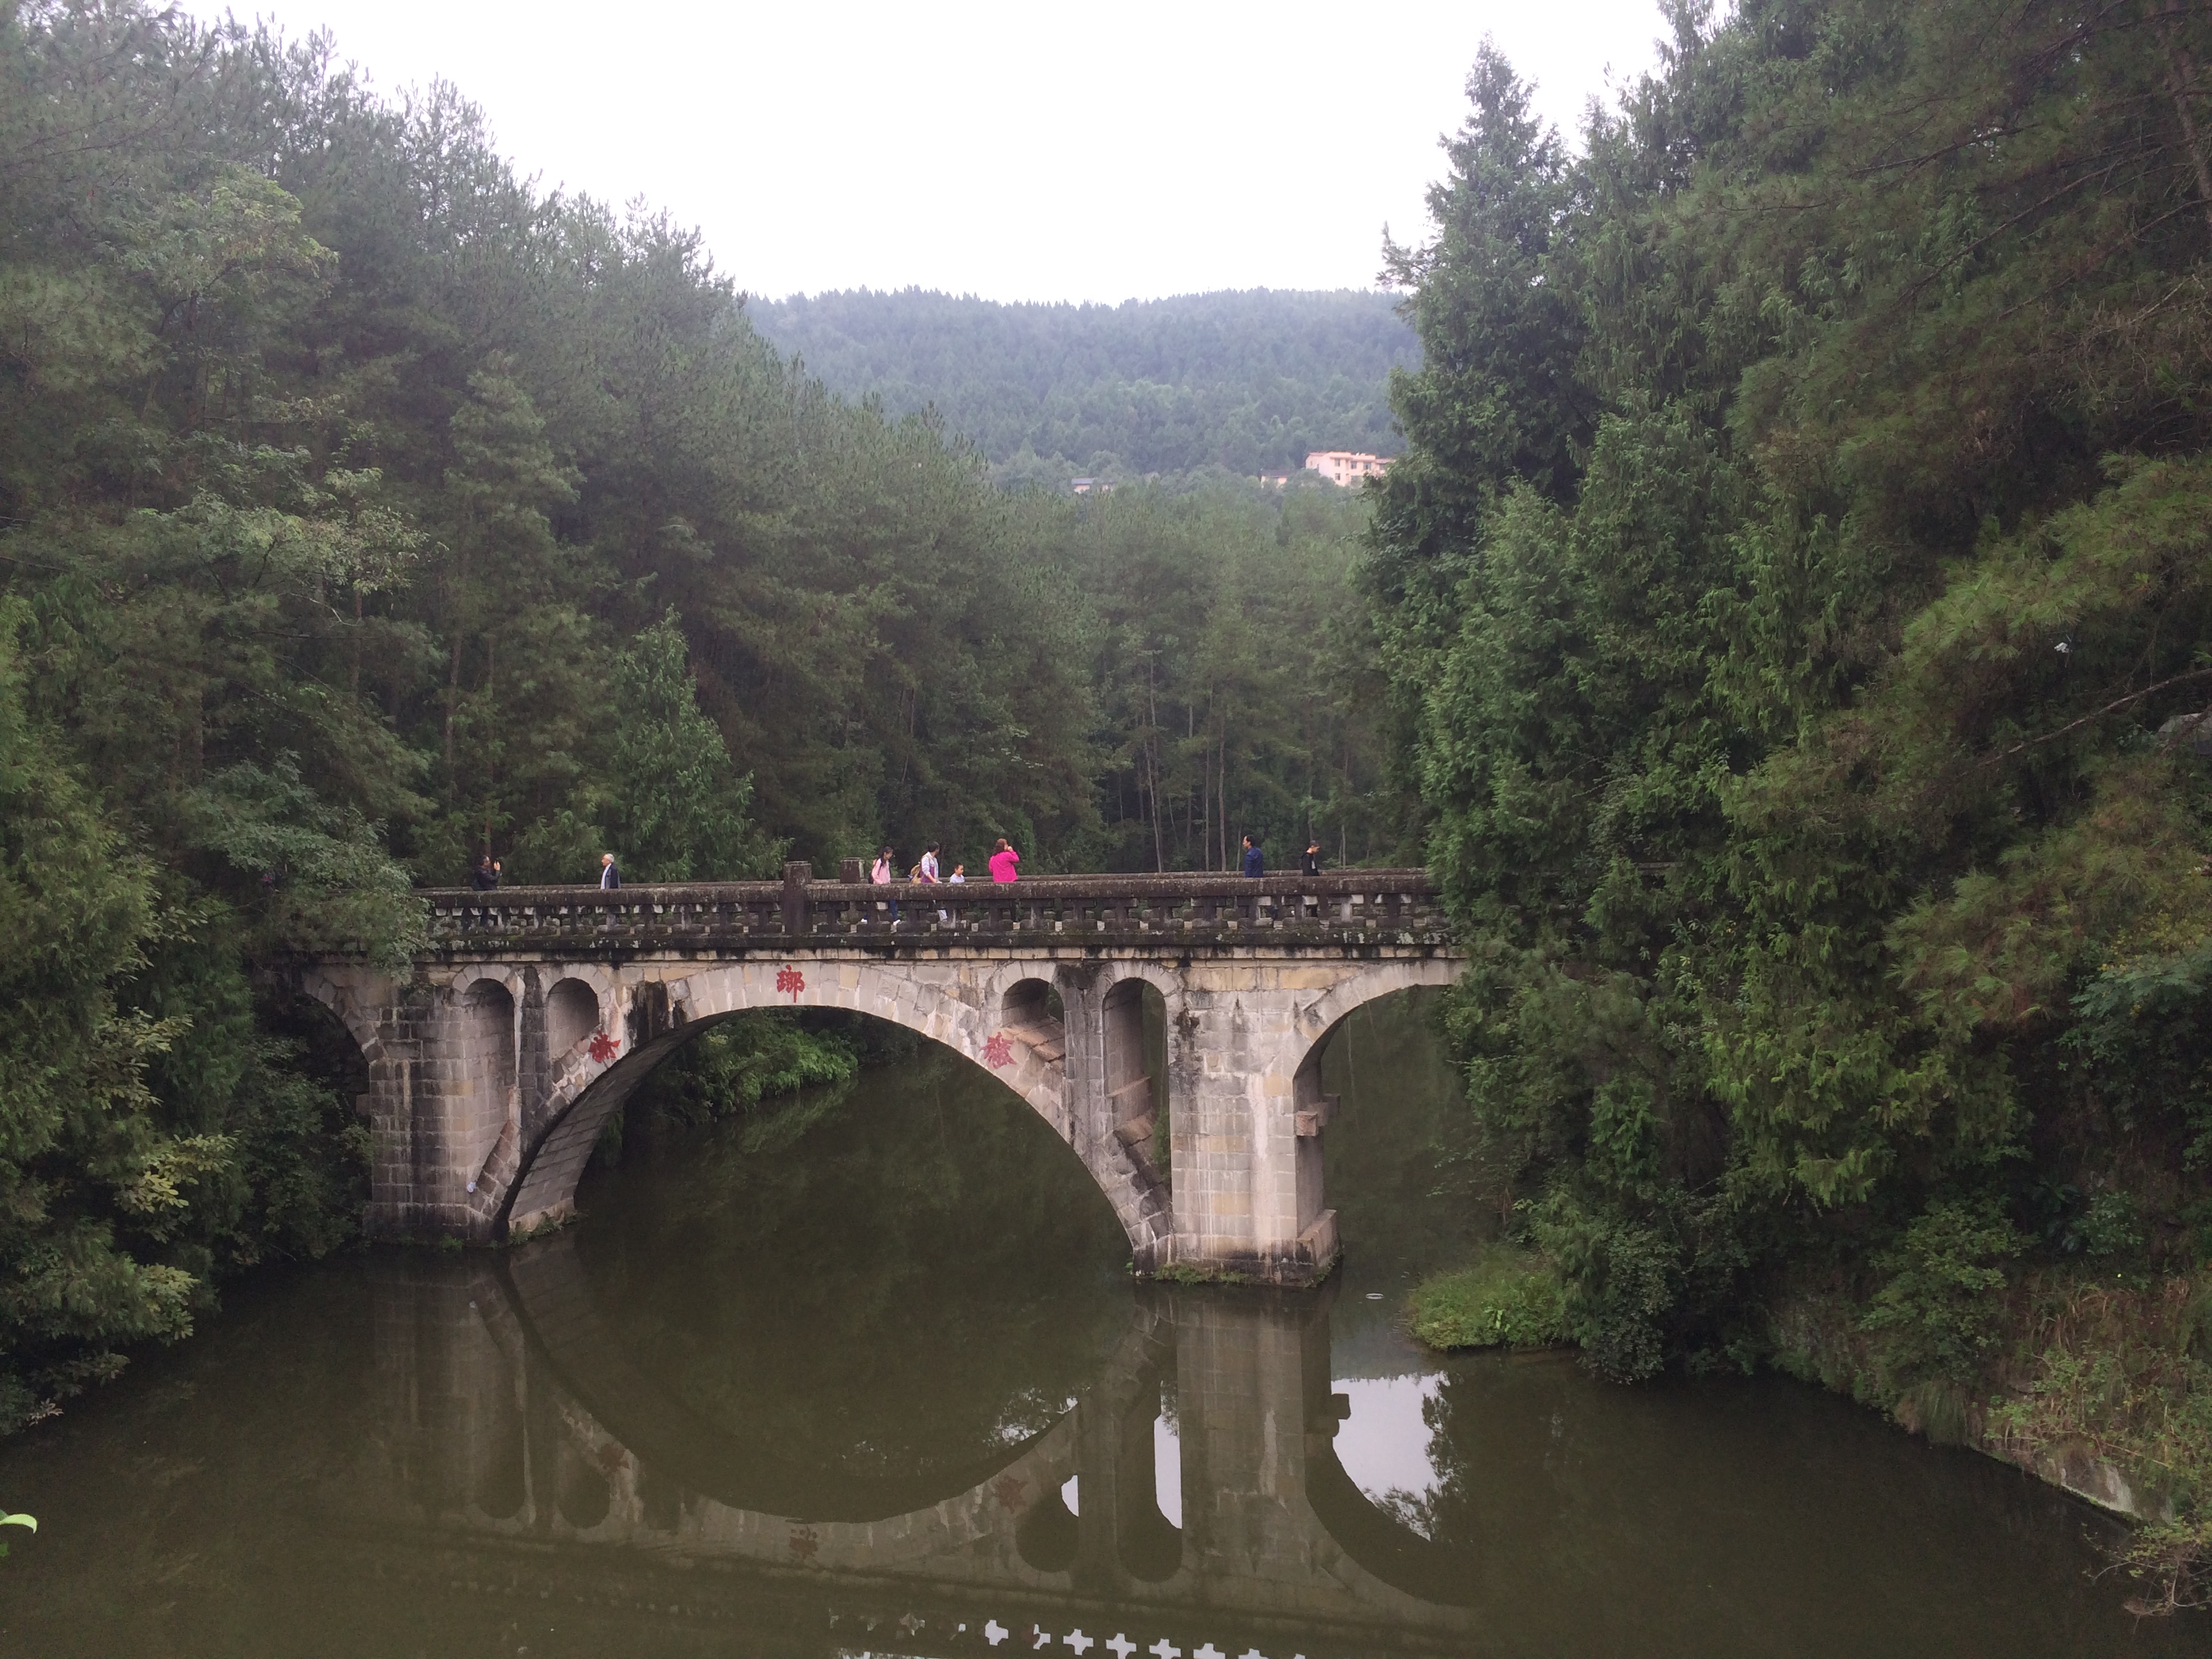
(924, 872)
(609, 871)
(1253, 864)
(881, 874)
(1313, 856)
(1005, 863)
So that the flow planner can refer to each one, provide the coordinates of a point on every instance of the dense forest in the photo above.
(362, 510)
(1797, 594)
(1242, 383)
(1788, 633)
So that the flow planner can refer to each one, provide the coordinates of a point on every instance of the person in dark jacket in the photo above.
(1313, 857)
(609, 871)
(1253, 864)
(485, 877)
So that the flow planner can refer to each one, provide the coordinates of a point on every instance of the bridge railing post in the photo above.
(796, 877)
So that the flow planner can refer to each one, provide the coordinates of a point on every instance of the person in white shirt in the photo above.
(924, 872)
(609, 872)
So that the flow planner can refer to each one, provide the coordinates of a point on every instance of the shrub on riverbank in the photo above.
(1508, 1298)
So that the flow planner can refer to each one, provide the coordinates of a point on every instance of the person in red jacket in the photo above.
(1005, 863)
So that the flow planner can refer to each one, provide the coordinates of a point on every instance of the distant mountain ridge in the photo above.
(1248, 380)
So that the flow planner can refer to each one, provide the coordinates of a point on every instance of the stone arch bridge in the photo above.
(534, 1012)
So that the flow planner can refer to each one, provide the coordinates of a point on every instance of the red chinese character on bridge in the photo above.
(603, 1047)
(998, 1052)
(791, 980)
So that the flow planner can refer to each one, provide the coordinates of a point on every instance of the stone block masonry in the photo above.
(496, 1063)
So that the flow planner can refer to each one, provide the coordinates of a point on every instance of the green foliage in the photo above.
(739, 1062)
(362, 510)
(672, 801)
(1622, 1280)
(1794, 604)
(736, 1066)
(2143, 1030)
(326, 881)
(1235, 685)
(1937, 1312)
(1508, 1298)
(2127, 1375)
(93, 1188)
(1247, 382)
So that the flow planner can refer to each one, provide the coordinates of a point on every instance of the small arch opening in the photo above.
(1032, 1002)
(486, 1055)
(583, 1498)
(1136, 1055)
(572, 1013)
(488, 1033)
(1050, 1535)
(1147, 1479)
(1033, 1016)
(499, 1488)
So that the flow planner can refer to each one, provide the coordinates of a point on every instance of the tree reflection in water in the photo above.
(817, 1399)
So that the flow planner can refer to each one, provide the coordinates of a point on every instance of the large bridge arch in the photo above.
(976, 1020)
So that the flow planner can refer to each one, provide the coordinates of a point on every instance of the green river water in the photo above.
(866, 1374)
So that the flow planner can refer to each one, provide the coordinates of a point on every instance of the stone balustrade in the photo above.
(1337, 909)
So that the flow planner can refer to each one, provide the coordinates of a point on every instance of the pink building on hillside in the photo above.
(1346, 467)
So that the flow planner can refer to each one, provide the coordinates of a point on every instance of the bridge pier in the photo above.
(495, 1066)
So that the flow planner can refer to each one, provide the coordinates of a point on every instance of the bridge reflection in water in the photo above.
(525, 1456)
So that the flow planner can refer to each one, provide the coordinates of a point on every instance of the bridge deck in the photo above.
(1348, 909)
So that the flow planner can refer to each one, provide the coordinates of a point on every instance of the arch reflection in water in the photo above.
(506, 1372)
(519, 1447)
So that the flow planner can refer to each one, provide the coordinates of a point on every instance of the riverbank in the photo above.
(2097, 1382)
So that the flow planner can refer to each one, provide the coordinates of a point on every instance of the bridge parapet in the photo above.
(1337, 910)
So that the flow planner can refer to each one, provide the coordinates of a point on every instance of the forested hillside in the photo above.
(1798, 589)
(1246, 382)
(362, 511)
(1793, 608)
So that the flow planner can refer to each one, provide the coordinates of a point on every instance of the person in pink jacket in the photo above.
(1005, 863)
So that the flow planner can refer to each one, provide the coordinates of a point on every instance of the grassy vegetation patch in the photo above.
(1508, 1298)
(2124, 1375)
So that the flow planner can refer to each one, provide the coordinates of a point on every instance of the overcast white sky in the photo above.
(1019, 152)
